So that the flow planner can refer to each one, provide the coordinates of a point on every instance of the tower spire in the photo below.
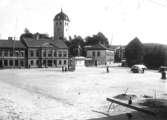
(61, 10)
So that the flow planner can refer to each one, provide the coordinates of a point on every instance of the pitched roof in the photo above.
(11, 43)
(96, 47)
(42, 42)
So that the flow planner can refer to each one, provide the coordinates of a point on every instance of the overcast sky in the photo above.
(119, 20)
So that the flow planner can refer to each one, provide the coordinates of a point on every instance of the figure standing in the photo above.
(107, 69)
(163, 73)
(130, 101)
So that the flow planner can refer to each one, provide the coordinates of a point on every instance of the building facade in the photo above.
(46, 53)
(12, 54)
(99, 55)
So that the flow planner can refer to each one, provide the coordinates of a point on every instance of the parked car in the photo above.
(138, 68)
(162, 68)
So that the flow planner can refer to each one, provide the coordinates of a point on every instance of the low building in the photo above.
(99, 55)
(12, 54)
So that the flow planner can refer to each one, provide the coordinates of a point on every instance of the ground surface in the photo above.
(49, 94)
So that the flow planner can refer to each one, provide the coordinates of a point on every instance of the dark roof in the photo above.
(61, 16)
(42, 42)
(11, 44)
(96, 47)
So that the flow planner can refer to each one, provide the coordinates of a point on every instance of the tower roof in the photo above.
(61, 16)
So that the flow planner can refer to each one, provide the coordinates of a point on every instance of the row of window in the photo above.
(49, 53)
(11, 63)
(60, 23)
(48, 62)
(10, 53)
(94, 54)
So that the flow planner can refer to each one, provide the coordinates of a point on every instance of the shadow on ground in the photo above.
(128, 116)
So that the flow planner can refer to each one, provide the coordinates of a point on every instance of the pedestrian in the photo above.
(107, 69)
(65, 69)
(62, 69)
(130, 100)
(163, 73)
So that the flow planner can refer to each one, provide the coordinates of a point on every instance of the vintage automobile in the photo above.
(138, 68)
(162, 68)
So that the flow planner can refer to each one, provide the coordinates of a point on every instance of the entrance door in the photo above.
(50, 63)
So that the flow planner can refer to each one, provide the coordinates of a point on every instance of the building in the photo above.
(99, 55)
(61, 26)
(45, 53)
(120, 53)
(38, 50)
(12, 54)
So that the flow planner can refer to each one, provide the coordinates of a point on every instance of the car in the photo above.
(162, 68)
(138, 68)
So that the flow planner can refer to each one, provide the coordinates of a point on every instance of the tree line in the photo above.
(73, 43)
(152, 55)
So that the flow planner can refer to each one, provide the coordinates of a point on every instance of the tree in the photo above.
(155, 55)
(26, 34)
(98, 38)
(134, 52)
(41, 36)
(74, 44)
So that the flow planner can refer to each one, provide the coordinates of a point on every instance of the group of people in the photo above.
(64, 69)
(69, 68)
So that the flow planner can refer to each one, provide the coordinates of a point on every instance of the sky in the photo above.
(119, 20)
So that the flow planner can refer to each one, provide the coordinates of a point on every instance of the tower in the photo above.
(61, 26)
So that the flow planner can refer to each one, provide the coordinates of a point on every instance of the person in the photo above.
(163, 73)
(65, 69)
(130, 101)
(62, 68)
(107, 69)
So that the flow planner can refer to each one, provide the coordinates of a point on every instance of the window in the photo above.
(50, 53)
(59, 62)
(6, 62)
(22, 53)
(17, 53)
(93, 54)
(65, 62)
(37, 62)
(37, 53)
(11, 62)
(0, 53)
(60, 54)
(44, 62)
(55, 53)
(16, 62)
(64, 54)
(31, 53)
(55, 62)
(22, 63)
(98, 53)
(5, 53)
(32, 62)
(44, 53)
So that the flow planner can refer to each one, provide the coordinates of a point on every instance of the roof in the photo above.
(30, 42)
(11, 44)
(96, 47)
(114, 47)
(61, 16)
